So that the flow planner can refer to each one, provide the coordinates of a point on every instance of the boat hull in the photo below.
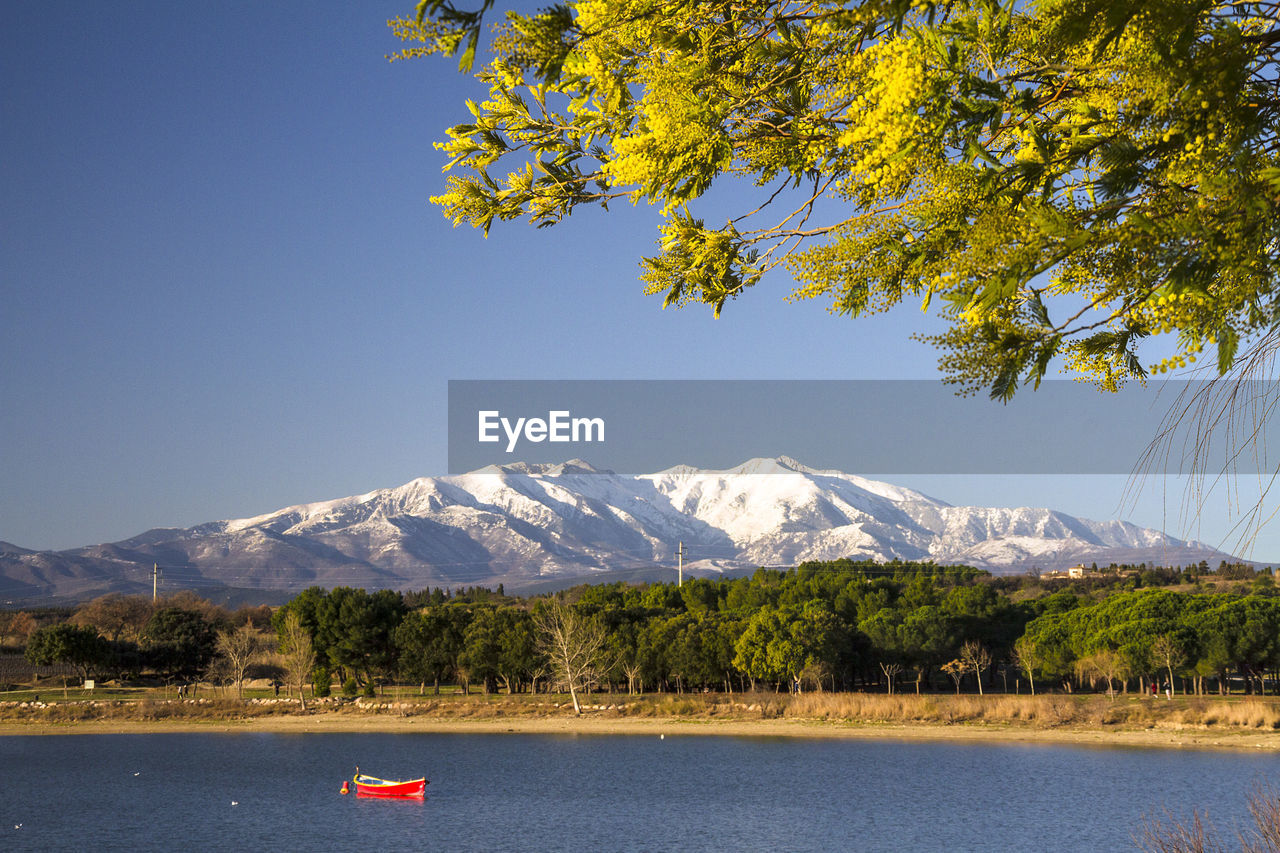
(371, 786)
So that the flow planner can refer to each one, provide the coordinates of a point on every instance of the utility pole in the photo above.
(155, 580)
(680, 565)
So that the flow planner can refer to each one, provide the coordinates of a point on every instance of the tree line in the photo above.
(839, 625)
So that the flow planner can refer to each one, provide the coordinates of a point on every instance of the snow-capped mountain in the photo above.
(524, 523)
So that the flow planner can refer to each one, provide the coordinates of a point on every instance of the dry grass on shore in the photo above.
(146, 710)
(1054, 711)
(1045, 711)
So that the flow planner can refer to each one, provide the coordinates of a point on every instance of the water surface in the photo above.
(592, 792)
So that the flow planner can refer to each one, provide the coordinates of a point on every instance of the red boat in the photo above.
(372, 786)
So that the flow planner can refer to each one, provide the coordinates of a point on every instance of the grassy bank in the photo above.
(1098, 713)
(1052, 711)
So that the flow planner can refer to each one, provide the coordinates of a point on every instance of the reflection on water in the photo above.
(537, 792)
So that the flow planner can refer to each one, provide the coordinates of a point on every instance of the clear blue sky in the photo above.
(224, 290)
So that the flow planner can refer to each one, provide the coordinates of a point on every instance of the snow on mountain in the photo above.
(519, 523)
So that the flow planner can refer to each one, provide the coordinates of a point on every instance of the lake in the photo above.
(613, 793)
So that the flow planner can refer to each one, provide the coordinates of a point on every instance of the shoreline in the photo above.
(975, 733)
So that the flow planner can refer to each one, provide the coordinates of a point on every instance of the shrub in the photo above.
(321, 679)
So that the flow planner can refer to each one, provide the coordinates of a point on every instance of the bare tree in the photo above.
(632, 670)
(16, 627)
(1264, 807)
(117, 617)
(956, 669)
(1024, 659)
(239, 649)
(540, 672)
(219, 672)
(185, 599)
(574, 644)
(1169, 652)
(890, 671)
(1103, 664)
(1176, 836)
(297, 653)
(814, 673)
(976, 658)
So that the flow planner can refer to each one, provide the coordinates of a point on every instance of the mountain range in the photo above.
(525, 525)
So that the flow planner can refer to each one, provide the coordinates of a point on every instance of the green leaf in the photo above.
(1050, 221)
(1228, 342)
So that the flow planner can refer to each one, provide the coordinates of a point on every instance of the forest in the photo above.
(821, 626)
